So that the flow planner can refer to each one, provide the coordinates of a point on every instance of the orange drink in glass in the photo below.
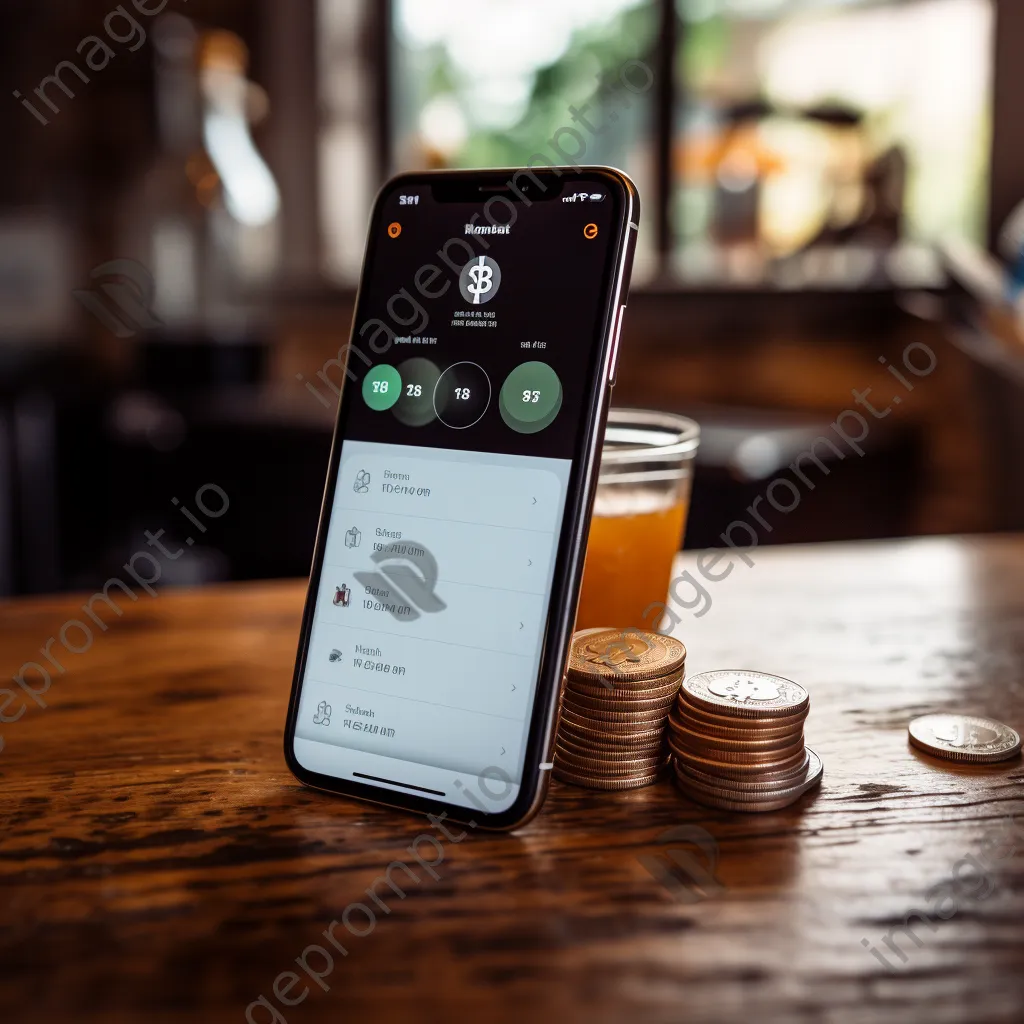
(643, 496)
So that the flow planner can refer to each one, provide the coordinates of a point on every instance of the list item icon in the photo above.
(342, 596)
(334, 656)
(590, 231)
(322, 716)
(353, 538)
(394, 229)
(362, 482)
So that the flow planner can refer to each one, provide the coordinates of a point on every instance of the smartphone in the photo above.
(450, 550)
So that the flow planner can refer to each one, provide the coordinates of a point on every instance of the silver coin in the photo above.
(965, 738)
(743, 693)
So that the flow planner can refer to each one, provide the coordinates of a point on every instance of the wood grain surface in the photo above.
(158, 862)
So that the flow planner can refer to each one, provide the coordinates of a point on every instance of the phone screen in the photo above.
(475, 358)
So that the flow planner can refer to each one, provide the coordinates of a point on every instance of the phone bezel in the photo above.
(572, 539)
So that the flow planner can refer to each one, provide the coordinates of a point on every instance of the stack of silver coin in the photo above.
(737, 739)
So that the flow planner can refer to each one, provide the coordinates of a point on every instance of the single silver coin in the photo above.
(966, 738)
(744, 693)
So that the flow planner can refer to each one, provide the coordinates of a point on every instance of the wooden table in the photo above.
(158, 862)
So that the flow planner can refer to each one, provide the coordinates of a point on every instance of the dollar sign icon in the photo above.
(479, 280)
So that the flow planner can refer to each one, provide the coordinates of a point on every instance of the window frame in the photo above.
(1006, 164)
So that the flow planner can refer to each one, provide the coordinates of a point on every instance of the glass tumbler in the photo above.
(643, 497)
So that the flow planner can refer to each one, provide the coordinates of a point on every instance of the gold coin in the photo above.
(623, 655)
(595, 783)
(751, 784)
(621, 695)
(739, 796)
(614, 685)
(629, 754)
(694, 737)
(612, 741)
(594, 777)
(603, 753)
(738, 758)
(734, 789)
(966, 738)
(742, 785)
(623, 726)
(593, 766)
(743, 806)
(580, 748)
(725, 800)
(599, 733)
(610, 757)
(592, 714)
(733, 760)
(664, 703)
(764, 771)
(753, 755)
(736, 728)
(744, 693)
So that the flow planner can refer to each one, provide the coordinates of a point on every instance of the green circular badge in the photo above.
(419, 378)
(382, 387)
(530, 397)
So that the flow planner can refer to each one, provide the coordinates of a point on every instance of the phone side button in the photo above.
(613, 363)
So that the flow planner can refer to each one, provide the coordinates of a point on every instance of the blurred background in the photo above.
(184, 201)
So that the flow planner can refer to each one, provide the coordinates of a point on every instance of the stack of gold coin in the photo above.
(737, 740)
(620, 686)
